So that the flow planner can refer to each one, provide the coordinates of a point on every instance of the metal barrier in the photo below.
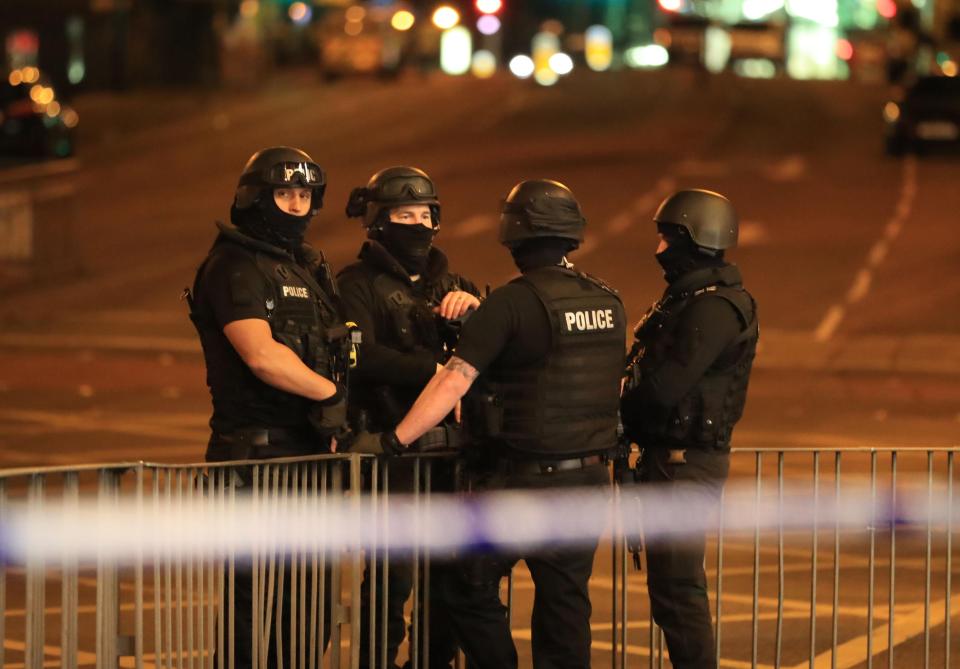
(169, 610)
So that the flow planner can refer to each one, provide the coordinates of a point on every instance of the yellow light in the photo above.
(31, 75)
(402, 20)
(53, 109)
(484, 64)
(297, 11)
(70, 117)
(16, 78)
(446, 17)
(949, 68)
(353, 28)
(46, 96)
(249, 8)
(35, 92)
(489, 6)
(891, 112)
(356, 13)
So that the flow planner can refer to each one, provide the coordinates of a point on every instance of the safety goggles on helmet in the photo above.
(413, 187)
(295, 175)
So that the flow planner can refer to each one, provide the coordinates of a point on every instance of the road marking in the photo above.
(97, 422)
(472, 226)
(791, 168)
(109, 342)
(878, 252)
(853, 653)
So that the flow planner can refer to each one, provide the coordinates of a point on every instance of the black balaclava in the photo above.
(266, 222)
(539, 252)
(409, 244)
(682, 257)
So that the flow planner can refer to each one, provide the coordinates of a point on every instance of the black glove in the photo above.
(377, 443)
(329, 417)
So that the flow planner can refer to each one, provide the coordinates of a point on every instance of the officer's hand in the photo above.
(329, 417)
(456, 303)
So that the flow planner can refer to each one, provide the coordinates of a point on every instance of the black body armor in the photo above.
(566, 407)
(303, 316)
(706, 415)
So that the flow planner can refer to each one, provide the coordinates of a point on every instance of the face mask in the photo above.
(676, 261)
(409, 244)
(271, 225)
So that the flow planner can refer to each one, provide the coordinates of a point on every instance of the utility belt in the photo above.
(262, 443)
(441, 438)
(524, 467)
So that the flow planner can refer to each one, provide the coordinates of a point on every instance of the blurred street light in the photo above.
(598, 48)
(402, 20)
(484, 64)
(446, 17)
(561, 63)
(488, 24)
(489, 6)
(521, 66)
(456, 50)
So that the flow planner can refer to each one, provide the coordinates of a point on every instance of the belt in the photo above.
(551, 466)
(255, 444)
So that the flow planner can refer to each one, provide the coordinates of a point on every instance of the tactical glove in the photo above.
(329, 417)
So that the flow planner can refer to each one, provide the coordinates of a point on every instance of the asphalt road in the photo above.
(849, 253)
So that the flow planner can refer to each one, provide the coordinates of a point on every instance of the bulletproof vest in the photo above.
(412, 321)
(302, 316)
(567, 406)
(706, 416)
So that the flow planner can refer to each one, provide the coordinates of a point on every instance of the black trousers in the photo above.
(279, 613)
(676, 580)
(442, 648)
(560, 625)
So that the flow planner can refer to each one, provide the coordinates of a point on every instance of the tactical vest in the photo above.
(567, 406)
(705, 417)
(302, 316)
(412, 321)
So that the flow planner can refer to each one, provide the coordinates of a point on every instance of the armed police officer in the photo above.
(409, 306)
(549, 350)
(685, 390)
(264, 305)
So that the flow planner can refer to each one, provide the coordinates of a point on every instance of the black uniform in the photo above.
(246, 278)
(686, 389)
(544, 413)
(403, 341)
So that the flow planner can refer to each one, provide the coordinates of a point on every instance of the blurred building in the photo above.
(114, 43)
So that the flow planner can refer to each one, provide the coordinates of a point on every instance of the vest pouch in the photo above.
(483, 415)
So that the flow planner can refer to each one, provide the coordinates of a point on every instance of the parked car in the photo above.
(34, 123)
(926, 112)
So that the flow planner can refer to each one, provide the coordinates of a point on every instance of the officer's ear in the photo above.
(357, 203)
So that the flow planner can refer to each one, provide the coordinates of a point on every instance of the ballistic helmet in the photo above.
(541, 208)
(389, 188)
(280, 167)
(708, 218)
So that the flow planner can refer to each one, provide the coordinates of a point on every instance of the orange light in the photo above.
(31, 75)
(249, 8)
(16, 78)
(662, 37)
(353, 28)
(844, 49)
(35, 92)
(949, 68)
(356, 13)
(70, 117)
(53, 109)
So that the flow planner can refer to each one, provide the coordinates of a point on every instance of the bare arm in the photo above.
(273, 363)
(437, 400)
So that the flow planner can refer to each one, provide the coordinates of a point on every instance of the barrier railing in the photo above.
(879, 595)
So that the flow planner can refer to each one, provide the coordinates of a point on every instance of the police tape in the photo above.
(128, 529)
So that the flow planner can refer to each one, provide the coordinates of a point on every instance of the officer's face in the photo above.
(293, 201)
(664, 244)
(414, 214)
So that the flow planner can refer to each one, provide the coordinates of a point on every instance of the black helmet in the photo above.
(389, 188)
(708, 218)
(280, 167)
(541, 208)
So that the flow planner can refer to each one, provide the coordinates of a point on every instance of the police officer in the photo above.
(409, 307)
(686, 388)
(549, 348)
(264, 306)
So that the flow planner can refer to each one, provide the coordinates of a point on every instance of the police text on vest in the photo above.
(296, 291)
(585, 321)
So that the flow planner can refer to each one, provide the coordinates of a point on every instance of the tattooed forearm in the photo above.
(465, 369)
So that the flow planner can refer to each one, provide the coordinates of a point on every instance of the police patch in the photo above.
(296, 291)
(589, 320)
